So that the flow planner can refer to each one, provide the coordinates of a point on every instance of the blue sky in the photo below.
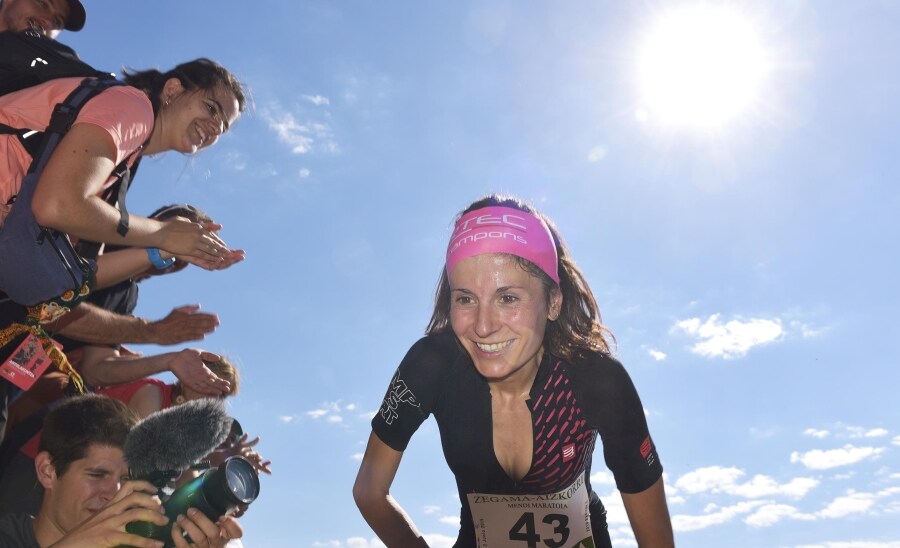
(747, 269)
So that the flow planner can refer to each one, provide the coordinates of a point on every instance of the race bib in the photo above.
(555, 520)
(26, 364)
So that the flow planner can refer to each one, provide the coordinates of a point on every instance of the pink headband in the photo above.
(498, 229)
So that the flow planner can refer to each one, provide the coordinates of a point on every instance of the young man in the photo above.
(81, 466)
(49, 17)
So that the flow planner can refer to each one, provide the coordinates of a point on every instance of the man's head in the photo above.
(48, 17)
(80, 462)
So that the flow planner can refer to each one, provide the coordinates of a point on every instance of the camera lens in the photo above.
(242, 480)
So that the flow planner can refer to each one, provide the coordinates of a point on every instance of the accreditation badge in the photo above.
(26, 364)
(554, 520)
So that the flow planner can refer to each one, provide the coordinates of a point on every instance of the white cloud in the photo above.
(718, 479)
(861, 432)
(303, 173)
(806, 331)
(358, 457)
(602, 477)
(287, 418)
(852, 503)
(771, 514)
(852, 544)
(332, 412)
(301, 137)
(711, 478)
(821, 434)
(450, 520)
(832, 458)
(615, 508)
(713, 515)
(732, 339)
(763, 486)
(596, 154)
(439, 541)
(431, 509)
(317, 100)
(896, 440)
(622, 536)
(657, 355)
(352, 542)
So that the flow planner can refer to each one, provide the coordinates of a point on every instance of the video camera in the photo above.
(165, 444)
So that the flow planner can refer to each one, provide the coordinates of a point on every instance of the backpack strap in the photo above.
(40, 145)
(64, 115)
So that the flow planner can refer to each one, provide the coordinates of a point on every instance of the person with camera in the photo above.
(517, 371)
(81, 466)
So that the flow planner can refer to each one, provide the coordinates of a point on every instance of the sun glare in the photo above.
(700, 66)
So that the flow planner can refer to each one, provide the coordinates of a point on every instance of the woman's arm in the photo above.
(123, 264)
(104, 366)
(372, 494)
(66, 199)
(649, 516)
(92, 324)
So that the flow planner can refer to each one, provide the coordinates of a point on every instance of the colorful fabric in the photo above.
(570, 403)
(497, 229)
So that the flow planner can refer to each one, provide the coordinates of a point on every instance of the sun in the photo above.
(700, 66)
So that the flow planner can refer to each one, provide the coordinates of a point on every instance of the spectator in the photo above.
(81, 466)
(19, 492)
(48, 17)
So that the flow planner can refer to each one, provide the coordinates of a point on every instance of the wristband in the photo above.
(156, 259)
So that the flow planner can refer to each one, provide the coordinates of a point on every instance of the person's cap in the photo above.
(77, 16)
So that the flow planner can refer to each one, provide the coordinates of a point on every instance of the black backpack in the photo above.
(28, 59)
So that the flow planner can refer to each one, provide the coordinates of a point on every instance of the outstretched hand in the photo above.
(195, 529)
(135, 501)
(188, 366)
(243, 447)
(198, 244)
(185, 323)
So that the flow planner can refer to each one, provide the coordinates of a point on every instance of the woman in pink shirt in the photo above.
(185, 109)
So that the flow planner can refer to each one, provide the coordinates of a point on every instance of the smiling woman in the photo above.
(517, 373)
(701, 67)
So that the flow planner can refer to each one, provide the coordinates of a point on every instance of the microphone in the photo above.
(172, 440)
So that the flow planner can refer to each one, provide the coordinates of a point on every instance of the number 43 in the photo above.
(524, 530)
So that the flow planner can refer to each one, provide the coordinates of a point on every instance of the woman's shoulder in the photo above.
(596, 363)
(599, 375)
(444, 344)
(433, 355)
(122, 102)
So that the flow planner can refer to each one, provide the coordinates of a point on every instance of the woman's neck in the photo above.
(517, 385)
